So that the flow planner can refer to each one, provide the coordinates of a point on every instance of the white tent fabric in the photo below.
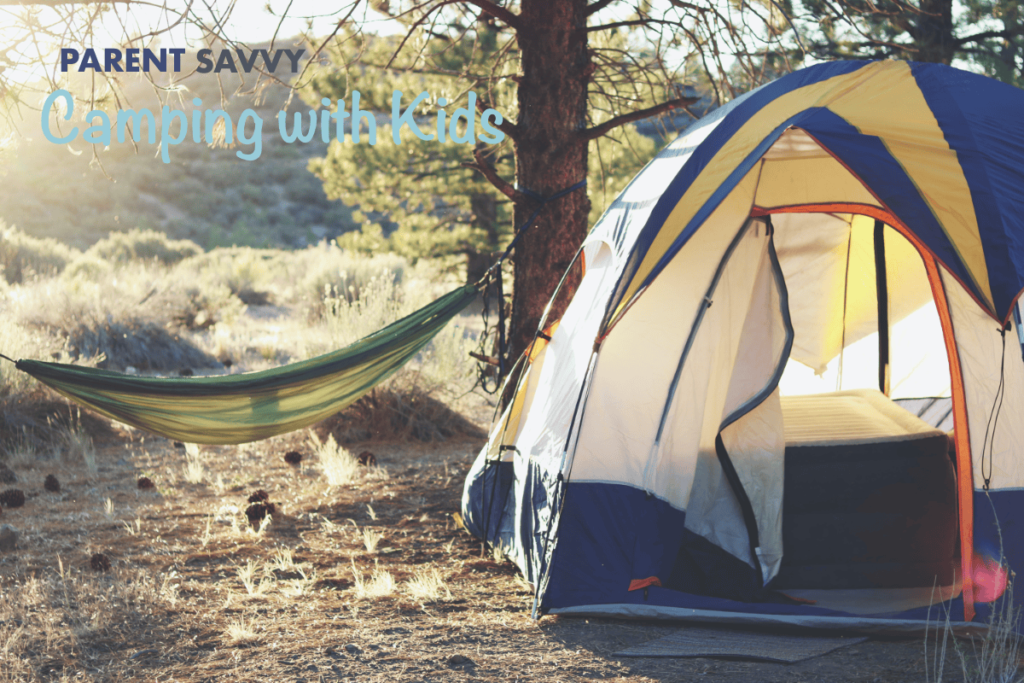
(829, 259)
(617, 444)
(741, 342)
(991, 413)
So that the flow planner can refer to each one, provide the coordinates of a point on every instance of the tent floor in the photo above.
(863, 601)
(850, 623)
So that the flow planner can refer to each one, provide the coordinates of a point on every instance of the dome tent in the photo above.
(649, 463)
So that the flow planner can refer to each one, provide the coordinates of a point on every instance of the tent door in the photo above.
(733, 524)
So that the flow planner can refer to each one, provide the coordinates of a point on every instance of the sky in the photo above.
(250, 22)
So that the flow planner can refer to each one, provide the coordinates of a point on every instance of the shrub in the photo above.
(208, 305)
(87, 267)
(142, 344)
(143, 245)
(23, 257)
(398, 411)
(18, 341)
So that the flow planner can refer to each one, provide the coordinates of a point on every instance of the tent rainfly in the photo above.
(713, 430)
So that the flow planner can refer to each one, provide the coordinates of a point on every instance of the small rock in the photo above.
(352, 649)
(145, 484)
(51, 484)
(367, 459)
(131, 370)
(185, 372)
(178, 444)
(8, 538)
(459, 660)
(100, 562)
(293, 457)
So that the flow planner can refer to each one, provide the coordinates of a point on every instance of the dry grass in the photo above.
(241, 632)
(194, 471)
(371, 538)
(428, 586)
(992, 656)
(338, 465)
(381, 583)
(196, 594)
(49, 620)
(254, 578)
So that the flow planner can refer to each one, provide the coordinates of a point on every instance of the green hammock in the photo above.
(238, 408)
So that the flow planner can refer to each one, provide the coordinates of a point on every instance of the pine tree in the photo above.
(419, 198)
(986, 33)
(569, 78)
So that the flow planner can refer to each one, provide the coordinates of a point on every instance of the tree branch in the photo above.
(492, 176)
(601, 129)
(618, 24)
(598, 6)
(688, 6)
(58, 3)
(507, 127)
(498, 12)
(984, 35)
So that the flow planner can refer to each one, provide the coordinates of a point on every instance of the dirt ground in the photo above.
(194, 594)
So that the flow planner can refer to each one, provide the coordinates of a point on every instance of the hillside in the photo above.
(205, 194)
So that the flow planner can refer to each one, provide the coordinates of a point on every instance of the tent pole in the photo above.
(882, 289)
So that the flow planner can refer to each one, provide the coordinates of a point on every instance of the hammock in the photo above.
(239, 408)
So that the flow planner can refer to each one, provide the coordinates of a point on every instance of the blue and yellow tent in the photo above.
(714, 428)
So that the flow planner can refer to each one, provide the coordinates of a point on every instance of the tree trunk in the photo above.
(550, 156)
(1009, 53)
(935, 36)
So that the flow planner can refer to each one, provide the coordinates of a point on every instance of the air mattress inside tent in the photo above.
(869, 498)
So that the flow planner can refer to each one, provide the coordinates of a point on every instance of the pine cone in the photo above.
(100, 562)
(260, 496)
(12, 498)
(257, 512)
(7, 475)
(293, 457)
(51, 484)
(146, 484)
